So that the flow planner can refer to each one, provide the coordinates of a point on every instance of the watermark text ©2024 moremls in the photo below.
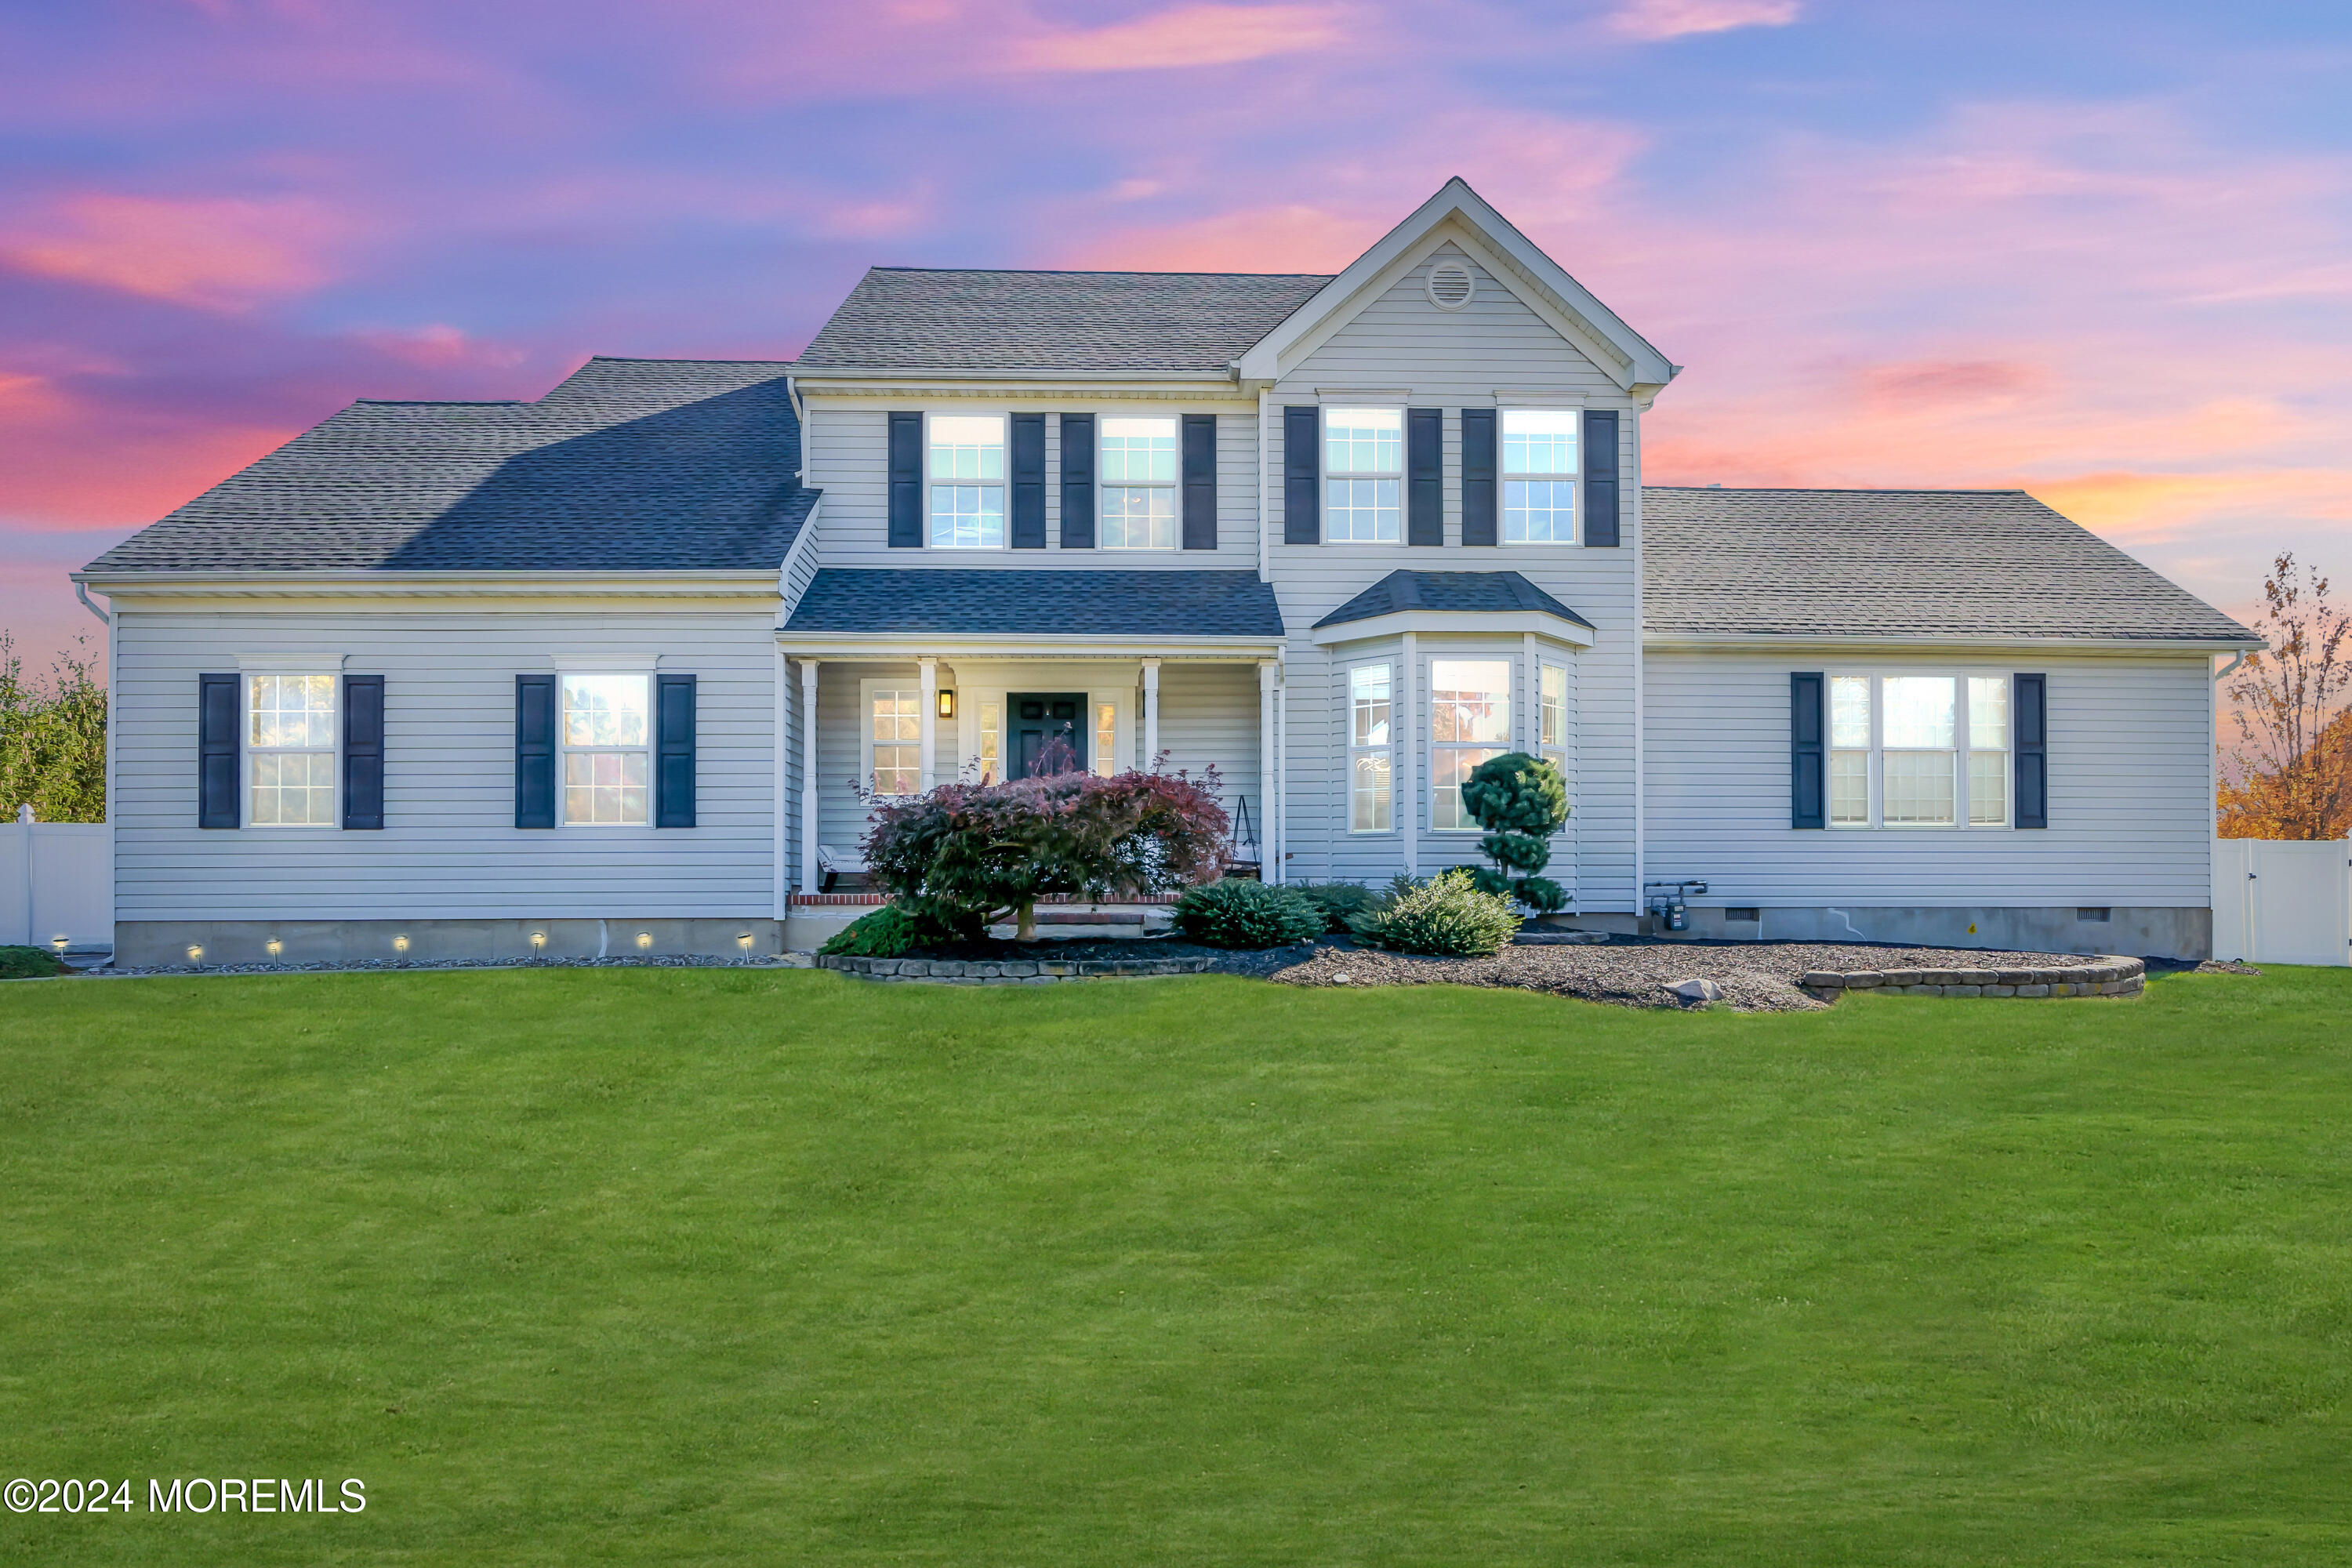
(197, 1494)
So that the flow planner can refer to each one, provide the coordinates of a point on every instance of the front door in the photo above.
(1040, 716)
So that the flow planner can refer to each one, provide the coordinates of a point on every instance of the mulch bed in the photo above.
(1630, 972)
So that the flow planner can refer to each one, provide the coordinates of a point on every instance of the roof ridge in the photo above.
(443, 402)
(1845, 489)
(1100, 272)
(670, 359)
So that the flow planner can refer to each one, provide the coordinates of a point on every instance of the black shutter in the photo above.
(1200, 482)
(1601, 477)
(1424, 466)
(535, 750)
(674, 749)
(1302, 476)
(216, 757)
(906, 483)
(363, 750)
(1808, 761)
(1028, 482)
(1477, 476)
(1077, 481)
(2030, 719)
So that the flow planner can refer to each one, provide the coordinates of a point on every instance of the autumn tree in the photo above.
(2293, 756)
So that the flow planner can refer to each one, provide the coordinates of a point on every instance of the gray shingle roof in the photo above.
(1459, 592)
(1956, 563)
(904, 318)
(986, 600)
(629, 465)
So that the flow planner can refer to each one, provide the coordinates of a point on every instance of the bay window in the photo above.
(607, 736)
(1469, 722)
(290, 743)
(967, 482)
(1370, 807)
(1363, 468)
(1551, 727)
(1539, 475)
(1139, 483)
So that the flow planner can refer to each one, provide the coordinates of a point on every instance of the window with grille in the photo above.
(290, 747)
(1370, 750)
(894, 737)
(1469, 721)
(1363, 475)
(607, 751)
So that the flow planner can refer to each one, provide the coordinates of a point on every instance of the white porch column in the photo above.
(1404, 719)
(931, 719)
(1267, 864)
(1151, 715)
(809, 877)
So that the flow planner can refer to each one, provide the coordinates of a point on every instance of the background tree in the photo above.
(52, 737)
(1521, 800)
(2293, 757)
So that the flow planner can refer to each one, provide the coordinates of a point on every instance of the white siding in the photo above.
(1452, 360)
(848, 442)
(2129, 819)
(449, 848)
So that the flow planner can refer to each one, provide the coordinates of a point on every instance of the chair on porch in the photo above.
(832, 864)
(1242, 856)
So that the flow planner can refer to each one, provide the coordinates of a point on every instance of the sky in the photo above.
(2101, 250)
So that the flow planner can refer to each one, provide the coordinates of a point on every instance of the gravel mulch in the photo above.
(372, 965)
(1756, 977)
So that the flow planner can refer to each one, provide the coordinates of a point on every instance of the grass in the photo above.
(739, 1266)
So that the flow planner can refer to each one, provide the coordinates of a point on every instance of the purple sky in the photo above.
(2101, 249)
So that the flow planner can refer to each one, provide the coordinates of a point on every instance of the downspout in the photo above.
(1641, 700)
(81, 592)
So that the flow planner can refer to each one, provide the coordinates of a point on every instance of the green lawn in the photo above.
(762, 1266)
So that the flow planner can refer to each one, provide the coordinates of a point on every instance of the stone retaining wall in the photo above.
(1007, 972)
(2092, 977)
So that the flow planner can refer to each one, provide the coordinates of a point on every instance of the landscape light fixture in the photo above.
(194, 952)
(538, 940)
(399, 944)
(275, 946)
(744, 941)
(947, 702)
(645, 941)
(61, 943)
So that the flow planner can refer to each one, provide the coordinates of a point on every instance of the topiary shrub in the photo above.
(1521, 800)
(29, 964)
(1339, 901)
(886, 933)
(1450, 914)
(1245, 914)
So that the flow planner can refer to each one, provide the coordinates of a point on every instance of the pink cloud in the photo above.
(216, 253)
(1203, 35)
(441, 346)
(1653, 21)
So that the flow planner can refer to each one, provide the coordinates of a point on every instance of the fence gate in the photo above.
(2276, 901)
(56, 879)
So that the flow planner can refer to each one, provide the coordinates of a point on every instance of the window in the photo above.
(1106, 738)
(1540, 475)
(1988, 751)
(1850, 750)
(1139, 481)
(1915, 751)
(290, 734)
(1904, 749)
(608, 768)
(895, 740)
(1363, 468)
(1552, 735)
(992, 741)
(967, 482)
(1469, 721)
(1371, 793)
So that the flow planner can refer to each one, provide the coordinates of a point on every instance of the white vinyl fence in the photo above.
(2276, 901)
(56, 879)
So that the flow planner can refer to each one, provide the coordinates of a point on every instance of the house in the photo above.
(615, 671)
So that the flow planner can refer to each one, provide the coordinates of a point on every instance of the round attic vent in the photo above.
(1450, 285)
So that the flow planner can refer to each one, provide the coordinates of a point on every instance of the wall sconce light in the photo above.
(275, 946)
(645, 941)
(947, 702)
(399, 944)
(539, 941)
(194, 952)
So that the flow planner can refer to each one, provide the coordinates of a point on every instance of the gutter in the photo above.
(81, 592)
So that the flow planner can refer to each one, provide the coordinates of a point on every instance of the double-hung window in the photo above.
(1551, 727)
(967, 482)
(1106, 738)
(1139, 483)
(895, 740)
(1905, 750)
(607, 752)
(1371, 714)
(1540, 473)
(290, 739)
(1364, 470)
(1469, 721)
